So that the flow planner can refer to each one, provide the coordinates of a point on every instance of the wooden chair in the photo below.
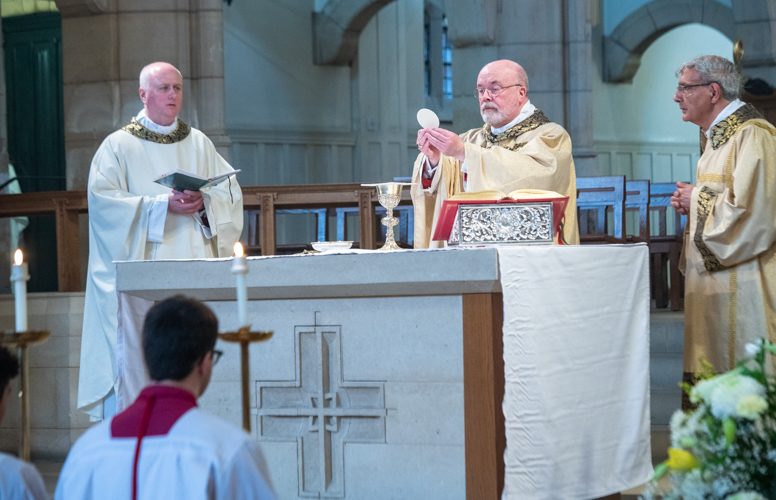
(637, 201)
(252, 218)
(597, 197)
(665, 247)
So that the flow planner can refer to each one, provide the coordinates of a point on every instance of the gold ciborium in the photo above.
(389, 196)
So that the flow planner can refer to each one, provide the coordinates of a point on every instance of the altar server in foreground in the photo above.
(730, 243)
(163, 445)
(131, 217)
(518, 147)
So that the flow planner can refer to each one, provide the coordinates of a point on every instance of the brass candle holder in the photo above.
(245, 337)
(21, 341)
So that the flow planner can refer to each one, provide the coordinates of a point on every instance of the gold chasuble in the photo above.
(729, 246)
(535, 154)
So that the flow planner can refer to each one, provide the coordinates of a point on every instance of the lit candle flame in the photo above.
(18, 258)
(238, 249)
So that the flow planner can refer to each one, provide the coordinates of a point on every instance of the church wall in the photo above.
(638, 128)
(293, 122)
(279, 105)
(54, 420)
(615, 11)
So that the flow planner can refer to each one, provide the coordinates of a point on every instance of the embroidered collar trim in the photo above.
(536, 120)
(141, 132)
(724, 130)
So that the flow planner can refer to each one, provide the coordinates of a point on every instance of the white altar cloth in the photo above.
(576, 342)
(576, 358)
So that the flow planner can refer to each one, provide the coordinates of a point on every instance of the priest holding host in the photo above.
(729, 253)
(132, 217)
(518, 147)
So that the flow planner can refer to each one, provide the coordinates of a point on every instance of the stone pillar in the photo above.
(551, 39)
(578, 90)
(105, 44)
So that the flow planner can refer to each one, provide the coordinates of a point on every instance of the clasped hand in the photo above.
(185, 202)
(682, 197)
(433, 142)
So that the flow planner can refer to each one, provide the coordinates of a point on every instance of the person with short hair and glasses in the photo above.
(518, 147)
(163, 445)
(729, 254)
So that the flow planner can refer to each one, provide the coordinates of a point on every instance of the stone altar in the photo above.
(385, 375)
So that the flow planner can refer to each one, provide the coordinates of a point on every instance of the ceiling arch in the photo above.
(623, 49)
(337, 26)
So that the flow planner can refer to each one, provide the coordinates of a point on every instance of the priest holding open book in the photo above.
(518, 147)
(134, 216)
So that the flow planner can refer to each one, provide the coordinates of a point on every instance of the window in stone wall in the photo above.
(438, 61)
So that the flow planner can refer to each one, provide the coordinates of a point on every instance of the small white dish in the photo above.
(331, 246)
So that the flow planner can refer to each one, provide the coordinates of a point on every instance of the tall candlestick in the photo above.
(19, 279)
(240, 269)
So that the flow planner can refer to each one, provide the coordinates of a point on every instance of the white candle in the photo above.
(240, 269)
(19, 279)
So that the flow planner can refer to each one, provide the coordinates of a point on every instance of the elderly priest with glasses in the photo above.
(518, 147)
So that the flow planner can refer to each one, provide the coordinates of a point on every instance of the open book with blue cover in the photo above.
(183, 181)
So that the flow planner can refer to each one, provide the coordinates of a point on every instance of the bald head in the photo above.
(507, 83)
(508, 69)
(156, 68)
(161, 90)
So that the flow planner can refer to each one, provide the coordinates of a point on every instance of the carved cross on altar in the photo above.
(321, 411)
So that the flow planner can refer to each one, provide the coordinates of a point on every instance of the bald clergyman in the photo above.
(131, 217)
(518, 147)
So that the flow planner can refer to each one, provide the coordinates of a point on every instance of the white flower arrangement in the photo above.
(726, 447)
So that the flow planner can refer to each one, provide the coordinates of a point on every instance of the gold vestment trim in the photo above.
(728, 170)
(139, 131)
(718, 178)
(724, 130)
(706, 199)
(536, 120)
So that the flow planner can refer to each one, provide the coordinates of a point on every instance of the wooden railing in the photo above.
(66, 206)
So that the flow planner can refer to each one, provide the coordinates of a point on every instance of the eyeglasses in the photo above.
(683, 89)
(493, 91)
(216, 356)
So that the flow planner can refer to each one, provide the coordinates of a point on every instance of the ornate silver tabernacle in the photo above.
(503, 223)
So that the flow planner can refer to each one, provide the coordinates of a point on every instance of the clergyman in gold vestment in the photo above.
(730, 243)
(517, 148)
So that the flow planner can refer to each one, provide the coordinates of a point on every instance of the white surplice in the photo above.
(19, 480)
(127, 212)
(201, 457)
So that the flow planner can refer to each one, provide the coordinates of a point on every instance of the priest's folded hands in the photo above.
(185, 202)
